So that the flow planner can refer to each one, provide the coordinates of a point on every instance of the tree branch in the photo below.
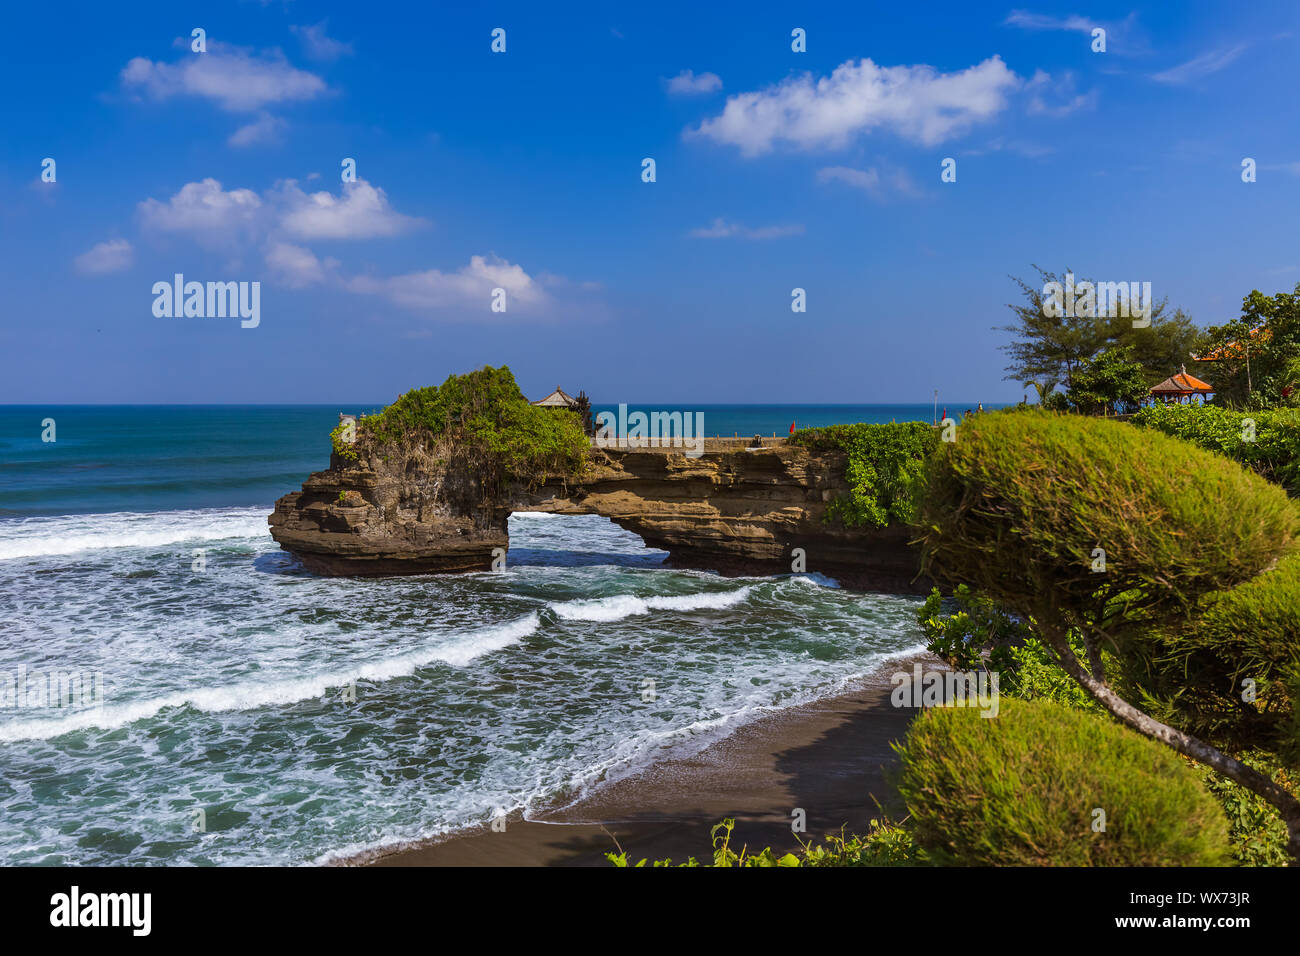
(1097, 688)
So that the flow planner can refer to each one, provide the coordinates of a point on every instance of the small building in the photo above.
(1181, 386)
(557, 399)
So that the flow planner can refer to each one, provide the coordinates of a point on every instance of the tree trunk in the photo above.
(1097, 688)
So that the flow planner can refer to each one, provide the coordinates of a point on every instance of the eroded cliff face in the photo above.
(737, 511)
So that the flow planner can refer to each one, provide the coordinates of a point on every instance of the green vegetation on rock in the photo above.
(885, 466)
(483, 422)
(1022, 789)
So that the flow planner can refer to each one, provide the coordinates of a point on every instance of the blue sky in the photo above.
(522, 171)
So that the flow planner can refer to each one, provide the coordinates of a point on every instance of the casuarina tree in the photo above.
(1132, 541)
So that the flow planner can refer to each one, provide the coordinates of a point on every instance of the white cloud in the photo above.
(1203, 65)
(872, 181)
(469, 288)
(213, 216)
(1123, 37)
(915, 102)
(686, 83)
(112, 256)
(1021, 147)
(1062, 90)
(234, 79)
(361, 212)
(722, 229)
(867, 179)
(205, 212)
(1039, 21)
(318, 46)
(265, 129)
(296, 266)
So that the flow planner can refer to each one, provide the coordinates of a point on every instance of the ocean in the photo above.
(241, 710)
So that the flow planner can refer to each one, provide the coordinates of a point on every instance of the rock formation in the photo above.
(735, 510)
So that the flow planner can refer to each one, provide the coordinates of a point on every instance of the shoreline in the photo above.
(828, 757)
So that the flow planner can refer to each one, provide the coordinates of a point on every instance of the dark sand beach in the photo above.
(828, 758)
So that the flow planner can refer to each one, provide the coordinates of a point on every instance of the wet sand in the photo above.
(828, 758)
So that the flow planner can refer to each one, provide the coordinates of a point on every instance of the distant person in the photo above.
(757, 442)
(792, 428)
(980, 408)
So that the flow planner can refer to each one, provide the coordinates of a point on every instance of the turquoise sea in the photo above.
(251, 712)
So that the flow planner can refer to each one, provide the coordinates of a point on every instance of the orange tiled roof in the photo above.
(1182, 384)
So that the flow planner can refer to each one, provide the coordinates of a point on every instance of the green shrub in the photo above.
(1019, 504)
(885, 844)
(343, 448)
(1255, 830)
(977, 631)
(1033, 674)
(1194, 675)
(885, 466)
(1110, 381)
(1273, 453)
(485, 425)
(1021, 789)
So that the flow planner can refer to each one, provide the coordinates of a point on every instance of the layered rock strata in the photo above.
(734, 510)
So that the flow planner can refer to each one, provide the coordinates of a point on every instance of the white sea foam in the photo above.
(816, 579)
(248, 667)
(70, 534)
(249, 696)
(619, 606)
(633, 754)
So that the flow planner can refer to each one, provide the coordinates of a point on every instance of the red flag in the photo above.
(792, 428)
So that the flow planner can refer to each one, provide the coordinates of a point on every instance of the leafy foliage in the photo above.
(1167, 344)
(342, 447)
(885, 466)
(582, 408)
(1028, 670)
(1255, 831)
(976, 629)
(485, 424)
(1019, 504)
(1110, 381)
(1273, 453)
(1201, 584)
(1192, 675)
(978, 634)
(885, 844)
(1257, 362)
(1047, 351)
(1020, 790)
